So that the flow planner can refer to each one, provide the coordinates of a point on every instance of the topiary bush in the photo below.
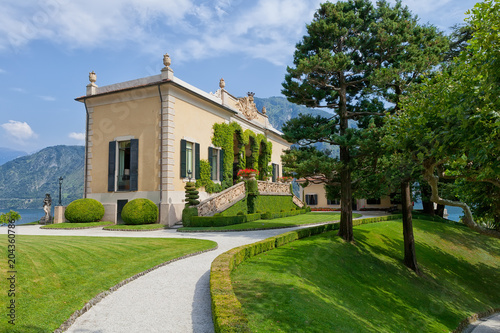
(84, 210)
(140, 211)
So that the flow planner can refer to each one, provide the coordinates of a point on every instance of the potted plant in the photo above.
(248, 174)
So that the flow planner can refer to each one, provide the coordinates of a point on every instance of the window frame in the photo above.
(308, 195)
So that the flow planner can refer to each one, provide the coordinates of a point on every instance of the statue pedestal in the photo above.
(59, 214)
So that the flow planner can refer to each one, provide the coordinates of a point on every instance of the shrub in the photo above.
(84, 210)
(140, 211)
(187, 214)
(240, 213)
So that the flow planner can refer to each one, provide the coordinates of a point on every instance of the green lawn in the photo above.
(321, 284)
(68, 225)
(154, 226)
(57, 275)
(291, 221)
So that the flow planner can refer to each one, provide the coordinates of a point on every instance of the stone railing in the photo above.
(267, 188)
(225, 199)
(222, 201)
(297, 201)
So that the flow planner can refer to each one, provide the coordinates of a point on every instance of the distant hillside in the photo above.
(7, 154)
(25, 180)
(280, 110)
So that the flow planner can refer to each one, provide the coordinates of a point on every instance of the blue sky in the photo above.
(48, 47)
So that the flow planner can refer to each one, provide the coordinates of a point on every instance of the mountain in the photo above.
(7, 154)
(280, 110)
(25, 180)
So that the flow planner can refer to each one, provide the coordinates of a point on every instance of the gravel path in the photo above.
(173, 298)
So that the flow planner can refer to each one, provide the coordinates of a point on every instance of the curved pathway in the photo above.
(173, 298)
(489, 324)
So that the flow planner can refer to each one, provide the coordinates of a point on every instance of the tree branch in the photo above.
(468, 220)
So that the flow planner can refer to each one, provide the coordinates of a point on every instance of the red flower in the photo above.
(247, 172)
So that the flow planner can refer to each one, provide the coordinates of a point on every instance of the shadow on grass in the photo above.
(365, 286)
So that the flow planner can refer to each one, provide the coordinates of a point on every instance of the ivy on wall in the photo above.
(206, 178)
(259, 159)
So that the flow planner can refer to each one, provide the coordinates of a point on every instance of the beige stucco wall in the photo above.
(385, 202)
(278, 149)
(192, 123)
(115, 116)
(318, 189)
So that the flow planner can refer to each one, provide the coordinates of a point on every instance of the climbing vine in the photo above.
(260, 147)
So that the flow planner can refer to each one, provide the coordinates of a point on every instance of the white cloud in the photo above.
(18, 90)
(77, 136)
(19, 131)
(47, 98)
(2, 71)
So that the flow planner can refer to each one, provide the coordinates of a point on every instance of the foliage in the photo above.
(191, 194)
(56, 282)
(84, 210)
(140, 211)
(9, 217)
(263, 203)
(287, 286)
(215, 221)
(451, 123)
(187, 214)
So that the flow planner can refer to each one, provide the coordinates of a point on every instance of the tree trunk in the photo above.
(410, 258)
(427, 204)
(345, 228)
(440, 210)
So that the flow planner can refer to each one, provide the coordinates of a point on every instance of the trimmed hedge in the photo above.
(227, 313)
(263, 203)
(270, 215)
(214, 221)
(187, 214)
(84, 210)
(140, 211)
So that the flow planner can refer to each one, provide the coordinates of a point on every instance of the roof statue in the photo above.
(247, 106)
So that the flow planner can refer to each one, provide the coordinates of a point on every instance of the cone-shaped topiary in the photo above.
(84, 210)
(140, 211)
(191, 194)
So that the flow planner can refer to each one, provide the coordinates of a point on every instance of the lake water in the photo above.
(28, 215)
(454, 213)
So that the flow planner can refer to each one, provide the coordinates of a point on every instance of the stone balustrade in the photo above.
(225, 199)
(222, 201)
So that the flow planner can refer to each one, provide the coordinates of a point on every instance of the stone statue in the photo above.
(47, 205)
(247, 106)
(92, 77)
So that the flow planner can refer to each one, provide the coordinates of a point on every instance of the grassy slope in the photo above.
(57, 275)
(290, 221)
(321, 284)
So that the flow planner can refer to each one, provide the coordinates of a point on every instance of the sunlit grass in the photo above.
(154, 226)
(57, 275)
(322, 284)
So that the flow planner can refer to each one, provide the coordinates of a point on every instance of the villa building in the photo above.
(314, 195)
(145, 139)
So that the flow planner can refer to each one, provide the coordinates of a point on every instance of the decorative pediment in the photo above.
(247, 106)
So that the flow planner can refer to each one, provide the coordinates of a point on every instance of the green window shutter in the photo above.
(111, 166)
(196, 161)
(221, 165)
(183, 158)
(134, 164)
(210, 152)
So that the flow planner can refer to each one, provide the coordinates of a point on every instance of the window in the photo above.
(333, 202)
(311, 199)
(216, 160)
(123, 165)
(373, 201)
(190, 159)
